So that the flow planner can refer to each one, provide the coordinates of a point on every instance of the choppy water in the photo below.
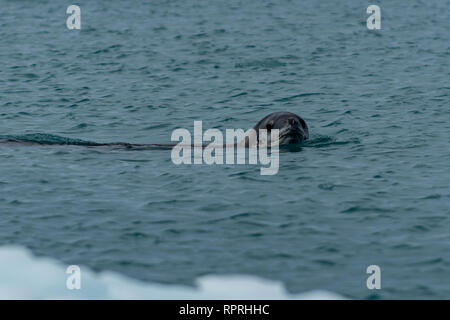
(371, 187)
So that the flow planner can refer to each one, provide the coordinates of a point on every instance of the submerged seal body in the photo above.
(292, 128)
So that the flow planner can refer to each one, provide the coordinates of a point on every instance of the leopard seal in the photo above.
(292, 129)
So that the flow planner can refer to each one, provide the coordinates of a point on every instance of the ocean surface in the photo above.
(370, 187)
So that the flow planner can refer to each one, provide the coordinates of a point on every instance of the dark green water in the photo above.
(371, 186)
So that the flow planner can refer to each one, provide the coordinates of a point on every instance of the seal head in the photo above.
(292, 128)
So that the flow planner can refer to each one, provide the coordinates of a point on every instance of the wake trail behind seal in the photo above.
(49, 139)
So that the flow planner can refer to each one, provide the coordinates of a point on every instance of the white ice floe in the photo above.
(24, 276)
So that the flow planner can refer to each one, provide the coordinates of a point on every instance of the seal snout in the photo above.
(293, 127)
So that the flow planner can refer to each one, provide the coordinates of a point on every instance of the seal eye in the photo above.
(292, 121)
